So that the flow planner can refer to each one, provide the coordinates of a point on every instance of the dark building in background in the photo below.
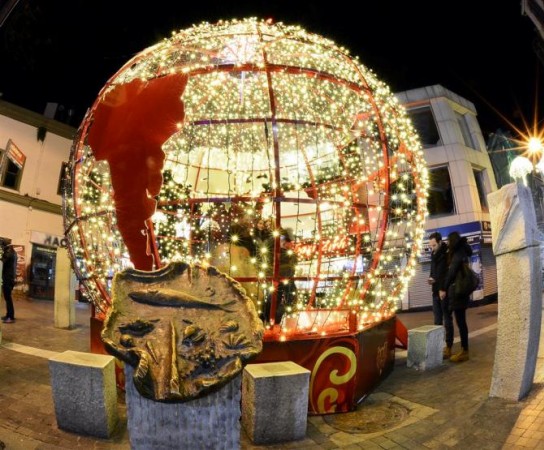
(534, 10)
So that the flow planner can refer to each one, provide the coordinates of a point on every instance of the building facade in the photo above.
(33, 152)
(461, 176)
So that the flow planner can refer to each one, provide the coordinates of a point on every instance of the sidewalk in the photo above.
(447, 407)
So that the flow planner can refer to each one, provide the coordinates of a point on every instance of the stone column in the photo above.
(73, 285)
(516, 247)
(209, 422)
(65, 311)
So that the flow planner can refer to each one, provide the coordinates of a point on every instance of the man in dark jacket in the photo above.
(9, 269)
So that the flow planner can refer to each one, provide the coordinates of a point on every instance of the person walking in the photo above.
(459, 252)
(9, 270)
(437, 277)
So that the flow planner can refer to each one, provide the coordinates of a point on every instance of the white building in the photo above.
(33, 150)
(461, 176)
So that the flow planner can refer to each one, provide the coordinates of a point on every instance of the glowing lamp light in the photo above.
(534, 146)
(520, 167)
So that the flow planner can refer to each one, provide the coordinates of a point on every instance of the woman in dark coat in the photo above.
(459, 252)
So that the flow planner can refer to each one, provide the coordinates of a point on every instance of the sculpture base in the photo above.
(212, 421)
(344, 368)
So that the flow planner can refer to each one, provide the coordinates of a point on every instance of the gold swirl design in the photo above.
(331, 393)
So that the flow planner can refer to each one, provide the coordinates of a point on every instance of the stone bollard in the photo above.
(425, 345)
(84, 392)
(275, 401)
(516, 245)
(209, 422)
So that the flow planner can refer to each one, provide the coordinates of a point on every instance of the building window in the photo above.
(480, 177)
(10, 172)
(468, 139)
(62, 177)
(425, 125)
(440, 195)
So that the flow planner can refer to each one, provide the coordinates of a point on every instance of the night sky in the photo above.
(64, 51)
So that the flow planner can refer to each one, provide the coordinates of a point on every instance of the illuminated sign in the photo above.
(329, 247)
(15, 154)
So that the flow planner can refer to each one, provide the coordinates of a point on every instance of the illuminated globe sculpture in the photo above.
(198, 138)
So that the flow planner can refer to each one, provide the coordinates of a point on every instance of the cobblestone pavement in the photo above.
(446, 407)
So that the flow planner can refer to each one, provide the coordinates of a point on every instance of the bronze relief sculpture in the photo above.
(187, 330)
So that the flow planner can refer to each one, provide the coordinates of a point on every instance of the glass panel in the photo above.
(424, 123)
(12, 175)
(480, 185)
(465, 131)
(440, 198)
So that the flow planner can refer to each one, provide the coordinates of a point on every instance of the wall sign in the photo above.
(37, 237)
(15, 154)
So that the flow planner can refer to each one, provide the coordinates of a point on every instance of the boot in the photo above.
(460, 357)
(446, 353)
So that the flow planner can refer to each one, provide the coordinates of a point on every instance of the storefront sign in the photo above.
(475, 233)
(471, 230)
(20, 276)
(15, 154)
(50, 240)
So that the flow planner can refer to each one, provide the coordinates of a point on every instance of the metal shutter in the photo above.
(489, 267)
(419, 292)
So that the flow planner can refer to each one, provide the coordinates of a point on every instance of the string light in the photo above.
(281, 125)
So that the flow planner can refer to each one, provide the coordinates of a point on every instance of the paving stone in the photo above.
(471, 418)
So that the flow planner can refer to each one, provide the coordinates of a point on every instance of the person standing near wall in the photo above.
(9, 271)
(437, 277)
(459, 251)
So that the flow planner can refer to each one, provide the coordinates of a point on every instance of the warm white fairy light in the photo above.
(333, 121)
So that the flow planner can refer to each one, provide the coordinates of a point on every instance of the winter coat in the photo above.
(459, 255)
(288, 261)
(263, 238)
(439, 267)
(9, 268)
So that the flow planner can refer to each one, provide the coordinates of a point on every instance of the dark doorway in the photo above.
(42, 272)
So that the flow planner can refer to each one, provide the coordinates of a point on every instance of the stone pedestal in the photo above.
(275, 402)
(517, 251)
(210, 422)
(425, 346)
(518, 324)
(84, 393)
(65, 312)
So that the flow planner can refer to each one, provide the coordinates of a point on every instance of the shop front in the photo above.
(41, 272)
(482, 261)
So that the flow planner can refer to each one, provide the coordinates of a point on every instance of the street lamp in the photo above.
(521, 166)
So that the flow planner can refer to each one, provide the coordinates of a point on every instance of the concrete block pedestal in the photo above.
(425, 346)
(84, 392)
(275, 401)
